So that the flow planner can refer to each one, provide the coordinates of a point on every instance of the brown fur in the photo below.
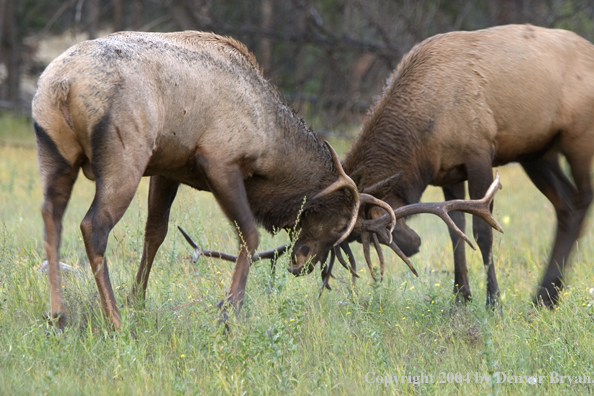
(460, 103)
(185, 107)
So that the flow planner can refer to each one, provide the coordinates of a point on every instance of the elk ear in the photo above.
(383, 188)
(359, 175)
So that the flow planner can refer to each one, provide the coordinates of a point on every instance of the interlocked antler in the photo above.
(344, 181)
(378, 227)
(378, 230)
(478, 207)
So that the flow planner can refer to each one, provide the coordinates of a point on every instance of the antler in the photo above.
(353, 264)
(379, 188)
(366, 198)
(478, 207)
(344, 181)
(272, 254)
(376, 228)
(327, 271)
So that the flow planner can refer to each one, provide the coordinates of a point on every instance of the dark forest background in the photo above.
(329, 58)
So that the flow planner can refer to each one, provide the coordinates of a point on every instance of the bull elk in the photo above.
(461, 103)
(186, 107)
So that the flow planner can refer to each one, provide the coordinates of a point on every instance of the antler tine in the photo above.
(343, 262)
(376, 188)
(403, 257)
(441, 210)
(488, 198)
(324, 266)
(380, 255)
(347, 249)
(366, 198)
(396, 250)
(365, 239)
(327, 273)
(344, 181)
(188, 238)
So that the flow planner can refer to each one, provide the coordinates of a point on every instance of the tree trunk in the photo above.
(138, 14)
(9, 52)
(93, 12)
(117, 15)
(2, 12)
(265, 42)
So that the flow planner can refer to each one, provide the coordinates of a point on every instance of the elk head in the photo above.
(325, 229)
(405, 237)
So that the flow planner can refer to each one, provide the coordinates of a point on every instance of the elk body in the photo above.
(461, 103)
(189, 108)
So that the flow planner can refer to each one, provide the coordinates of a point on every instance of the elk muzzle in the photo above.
(301, 261)
(406, 238)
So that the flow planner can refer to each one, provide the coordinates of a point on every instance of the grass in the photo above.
(289, 341)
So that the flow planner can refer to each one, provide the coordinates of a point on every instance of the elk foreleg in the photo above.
(162, 193)
(226, 183)
(461, 283)
(480, 177)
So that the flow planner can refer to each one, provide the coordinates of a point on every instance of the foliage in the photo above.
(287, 340)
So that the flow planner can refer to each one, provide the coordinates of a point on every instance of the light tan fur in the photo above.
(186, 107)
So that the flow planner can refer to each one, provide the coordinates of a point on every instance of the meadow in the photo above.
(286, 340)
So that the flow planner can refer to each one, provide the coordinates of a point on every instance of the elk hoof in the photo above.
(493, 302)
(546, 298)
(55, 321)
(223, 316)
(462, 295)
(135, 300)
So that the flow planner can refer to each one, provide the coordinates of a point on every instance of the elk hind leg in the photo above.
(58, 177)
(118, 173)
(162, 192)
(570, 206)
(461, 283)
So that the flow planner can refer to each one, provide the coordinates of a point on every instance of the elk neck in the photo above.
(298, 167)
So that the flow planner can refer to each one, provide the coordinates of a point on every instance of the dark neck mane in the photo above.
(392, 139)
(304, 168)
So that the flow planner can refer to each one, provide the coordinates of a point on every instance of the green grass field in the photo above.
(288, 342)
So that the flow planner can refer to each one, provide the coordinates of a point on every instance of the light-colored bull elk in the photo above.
(461, 103)
(189, 108)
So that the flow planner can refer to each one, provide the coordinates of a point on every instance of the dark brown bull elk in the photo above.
(189, 108)
(461, 103)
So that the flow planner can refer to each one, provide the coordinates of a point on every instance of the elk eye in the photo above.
(341, 230)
